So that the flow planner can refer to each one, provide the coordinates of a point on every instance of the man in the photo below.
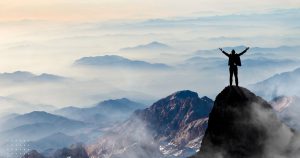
(233, 62)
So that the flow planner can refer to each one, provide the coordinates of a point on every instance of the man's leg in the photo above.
(230, 74)
(235, 72)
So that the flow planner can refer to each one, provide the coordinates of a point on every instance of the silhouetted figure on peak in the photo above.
(233, 62)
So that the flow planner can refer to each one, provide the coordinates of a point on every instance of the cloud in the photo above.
(279, 135)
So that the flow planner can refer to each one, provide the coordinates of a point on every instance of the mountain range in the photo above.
(47, 132)
(24, 76)
(18, 106)
(265, 52)
(114, 61)
(103, 113)
(150, 47)
(36, 125)
(278, 85)
(55, 141)
(177, 126)
(171, 127)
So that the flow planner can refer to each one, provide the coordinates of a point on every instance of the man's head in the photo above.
(233, 51)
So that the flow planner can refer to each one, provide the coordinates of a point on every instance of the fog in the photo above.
(51, 47)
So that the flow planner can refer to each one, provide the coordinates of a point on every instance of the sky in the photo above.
(103, 10)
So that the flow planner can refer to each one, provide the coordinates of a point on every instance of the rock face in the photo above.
(75, 151)
(33, 154)
(167, 116)
(242, 125)
(288, 110)
(171, 127)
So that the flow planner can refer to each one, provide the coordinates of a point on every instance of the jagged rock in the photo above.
(243, 125)
(75, 151)
(33, 154)
(168, 115)
(171, 127)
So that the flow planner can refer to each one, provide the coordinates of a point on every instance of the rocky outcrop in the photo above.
(243, 125)
(171, 127)
(75, 151)
(33, 154)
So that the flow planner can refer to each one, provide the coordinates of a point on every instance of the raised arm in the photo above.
(243, 52)
(224, 52)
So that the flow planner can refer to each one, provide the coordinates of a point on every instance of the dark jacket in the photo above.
(234, 59)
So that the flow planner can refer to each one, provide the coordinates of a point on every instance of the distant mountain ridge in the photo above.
(257, 51)
(153, 46)
(36, 117)
(54, 141)
(36, 125)
(25, 76)
(114, 61)
(278, 85)
(47, 132)
(105, 111)
(18, 106)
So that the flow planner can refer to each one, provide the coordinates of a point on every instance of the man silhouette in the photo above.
(233, 62)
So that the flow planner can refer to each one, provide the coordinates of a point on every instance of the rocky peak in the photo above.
(208, 100)
(170, 127)
(185, 94)
(170, 114)
(243, 125)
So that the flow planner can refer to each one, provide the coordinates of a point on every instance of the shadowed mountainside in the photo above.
(243, 125)
(171, 127)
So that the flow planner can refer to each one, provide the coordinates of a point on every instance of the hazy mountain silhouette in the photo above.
(19, 106)
(243, 125)
(153, 46)
(104, 112)
(252, 63)
(265, 52)
(24, 76)
(36, 125)
(54, 142)
(114, 61)
(38, 117)
(279, 84)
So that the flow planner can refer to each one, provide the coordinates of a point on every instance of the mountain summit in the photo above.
(243, 125)
(171, 127)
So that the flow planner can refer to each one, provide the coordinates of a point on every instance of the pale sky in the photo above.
(89, 10)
